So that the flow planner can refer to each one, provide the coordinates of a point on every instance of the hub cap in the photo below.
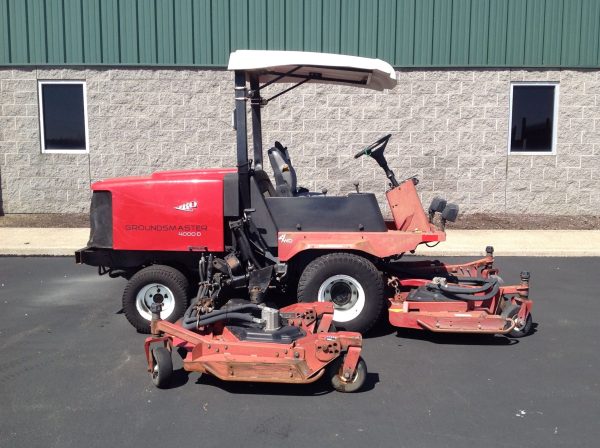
(145, 298)
(347, 295)
(519, 323)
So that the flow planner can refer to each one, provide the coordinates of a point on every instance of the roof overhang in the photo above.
(323, 68)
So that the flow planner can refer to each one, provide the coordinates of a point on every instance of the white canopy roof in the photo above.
(332, 68)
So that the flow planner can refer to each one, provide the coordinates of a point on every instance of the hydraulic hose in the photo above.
(464, 293)
(472, 297)
(211, 320)
(190, 309)
(233, 309)
(484, 282)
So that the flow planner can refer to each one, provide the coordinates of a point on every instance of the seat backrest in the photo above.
(264, 184)
(285, 175)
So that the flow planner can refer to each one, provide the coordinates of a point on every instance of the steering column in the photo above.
(375, 150)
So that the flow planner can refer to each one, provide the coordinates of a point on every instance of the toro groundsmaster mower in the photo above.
(262, 235)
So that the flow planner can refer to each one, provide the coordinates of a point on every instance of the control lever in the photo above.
(356, 184)
(247, 212)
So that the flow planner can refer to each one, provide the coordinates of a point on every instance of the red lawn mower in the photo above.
(264, 237)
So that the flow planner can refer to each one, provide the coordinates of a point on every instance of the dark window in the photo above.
(532, 119)
(63, 116)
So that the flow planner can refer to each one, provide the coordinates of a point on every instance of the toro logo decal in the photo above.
(284, 239)
(187, 206)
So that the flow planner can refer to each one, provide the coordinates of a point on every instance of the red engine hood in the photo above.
(168, 211)
(165, 176)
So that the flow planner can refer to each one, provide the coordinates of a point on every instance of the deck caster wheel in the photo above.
(162, 367)
(157, 281)
(351, 282)
(521, 328)
(341, 384)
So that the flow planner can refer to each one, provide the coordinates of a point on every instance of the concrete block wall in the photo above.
(450, 128)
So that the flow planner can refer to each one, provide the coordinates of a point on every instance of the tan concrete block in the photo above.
(485, 100)
(423, 87)
(340, 126)
(485, 125)
(420, 111)
(441, 100)
(423, 137)
(580, 124)
(445, 185)
(22, 73)
(448, 87)
(567, 113)
(406, 125)
(409, 75)
(576, 100)
(590, 137)
(18, 85)
(431, 150)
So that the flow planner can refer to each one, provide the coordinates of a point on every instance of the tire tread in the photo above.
(143, 276)
(362, 263)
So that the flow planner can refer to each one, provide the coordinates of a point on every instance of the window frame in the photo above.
(552, 152)
(85, 150)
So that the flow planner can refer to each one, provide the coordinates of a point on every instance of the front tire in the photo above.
(162, 367)
(351, 282)
(347, 385)
(167, 282)
(522, 329)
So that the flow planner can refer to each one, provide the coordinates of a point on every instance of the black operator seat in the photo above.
(285, 174)
(264, 184)
(294, 208)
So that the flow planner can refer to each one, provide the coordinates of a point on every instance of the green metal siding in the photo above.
(407, 33)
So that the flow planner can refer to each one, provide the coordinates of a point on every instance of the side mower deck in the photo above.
(301, 351)
(461, 298)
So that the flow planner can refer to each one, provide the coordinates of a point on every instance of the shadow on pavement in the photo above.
(320, 387)
(455, 338)
(381, 329)
(180, 377)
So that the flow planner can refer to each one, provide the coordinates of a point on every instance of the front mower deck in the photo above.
(218, 350)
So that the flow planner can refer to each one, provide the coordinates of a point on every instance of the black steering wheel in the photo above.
(378, 146)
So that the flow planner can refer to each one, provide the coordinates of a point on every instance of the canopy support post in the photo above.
(255, 104)
(242, 140)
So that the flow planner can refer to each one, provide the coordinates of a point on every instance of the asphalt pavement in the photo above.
(72, 374)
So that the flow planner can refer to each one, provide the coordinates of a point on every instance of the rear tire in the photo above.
(162, 367)
(351, 282)
(139, 293)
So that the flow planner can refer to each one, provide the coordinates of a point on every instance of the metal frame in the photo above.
(85, 150)
(255, 104)
(242, 140)
(552, 152)
(242, 94)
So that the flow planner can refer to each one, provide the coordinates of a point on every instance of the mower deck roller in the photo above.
(292, 345)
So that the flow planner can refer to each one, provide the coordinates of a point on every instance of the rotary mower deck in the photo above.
(460, 298)
(291, 345)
